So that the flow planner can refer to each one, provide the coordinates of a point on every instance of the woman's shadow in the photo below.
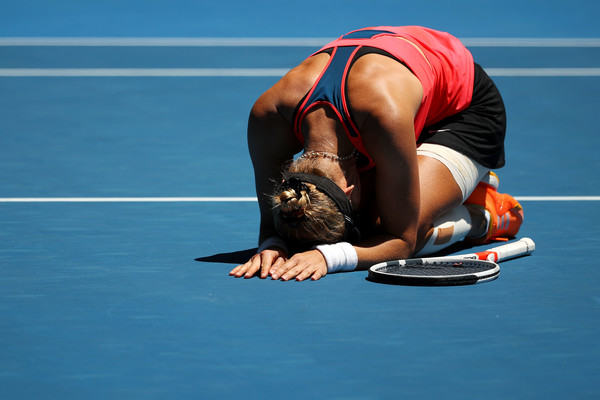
(242, 256)
(235, 257)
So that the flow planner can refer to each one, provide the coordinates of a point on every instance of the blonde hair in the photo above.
(304, 214)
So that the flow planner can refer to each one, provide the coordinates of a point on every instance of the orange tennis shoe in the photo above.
(505, 213)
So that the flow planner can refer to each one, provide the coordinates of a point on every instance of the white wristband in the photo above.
(273, 241)
(340, 257)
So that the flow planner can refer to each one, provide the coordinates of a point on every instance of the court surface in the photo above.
(127, 196)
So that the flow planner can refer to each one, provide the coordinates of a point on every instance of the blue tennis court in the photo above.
(127, 196)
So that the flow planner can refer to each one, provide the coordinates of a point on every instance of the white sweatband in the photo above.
(273, 241)
(340, 257)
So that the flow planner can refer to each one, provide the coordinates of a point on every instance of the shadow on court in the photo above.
(235, 257)
(241, 256)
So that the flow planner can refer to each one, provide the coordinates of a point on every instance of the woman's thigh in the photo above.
(439, 192)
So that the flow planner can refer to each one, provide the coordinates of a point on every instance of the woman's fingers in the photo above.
(262, 262)
(255, 264)
(248, 269)
(301, 266)
(314, 273)
(280, 269)
(268, 264)
(294, 272)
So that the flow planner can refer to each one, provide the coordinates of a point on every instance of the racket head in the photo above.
(434, 272)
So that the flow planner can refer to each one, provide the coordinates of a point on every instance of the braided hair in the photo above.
(309, 208)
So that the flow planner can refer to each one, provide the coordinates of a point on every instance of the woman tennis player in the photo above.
(398, 130)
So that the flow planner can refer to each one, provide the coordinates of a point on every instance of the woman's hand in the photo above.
(263, 261)
(310, 264)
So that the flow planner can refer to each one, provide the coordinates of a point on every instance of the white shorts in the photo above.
(466, 172)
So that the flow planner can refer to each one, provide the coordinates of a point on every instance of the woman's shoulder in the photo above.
(293, 86)
(381, 78)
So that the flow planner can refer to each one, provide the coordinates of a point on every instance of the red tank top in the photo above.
(439, 60)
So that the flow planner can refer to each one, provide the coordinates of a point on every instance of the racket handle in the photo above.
(508, 251)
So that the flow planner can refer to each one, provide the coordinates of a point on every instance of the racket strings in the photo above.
(436, 269)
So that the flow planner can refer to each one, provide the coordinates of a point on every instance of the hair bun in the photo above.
(293, 203)
(304, 213)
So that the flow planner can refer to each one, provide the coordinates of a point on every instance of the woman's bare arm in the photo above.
(271, 144)
(386, 97)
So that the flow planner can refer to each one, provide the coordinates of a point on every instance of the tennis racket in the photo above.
(465, 269)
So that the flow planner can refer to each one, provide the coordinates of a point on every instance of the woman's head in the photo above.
(311, 208)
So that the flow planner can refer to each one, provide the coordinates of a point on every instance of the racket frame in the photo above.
(377, 272)
(490, 256)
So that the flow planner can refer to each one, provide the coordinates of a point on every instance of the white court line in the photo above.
(222, 199)
(541, 72)
(142, 72)
(557, 198)
(251, 72)
(162, 42)
(269, 42)
(123, 199)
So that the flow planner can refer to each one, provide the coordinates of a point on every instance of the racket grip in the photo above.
(509, 251)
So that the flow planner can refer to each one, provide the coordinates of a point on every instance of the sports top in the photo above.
(439, 60)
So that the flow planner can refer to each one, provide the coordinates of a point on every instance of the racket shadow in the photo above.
(455, 248)
(421, 283)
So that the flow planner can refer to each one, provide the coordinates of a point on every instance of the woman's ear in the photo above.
(348, 190)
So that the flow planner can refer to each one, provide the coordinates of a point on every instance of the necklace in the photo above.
(334, 157)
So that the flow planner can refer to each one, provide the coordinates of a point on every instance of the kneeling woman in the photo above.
(399, 130)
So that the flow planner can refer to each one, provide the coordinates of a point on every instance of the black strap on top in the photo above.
(331, 190)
